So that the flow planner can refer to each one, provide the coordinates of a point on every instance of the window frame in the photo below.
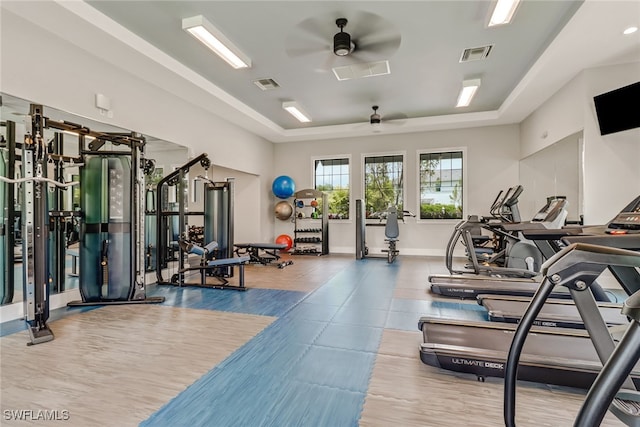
(363, 157)
(465, 184)
(336, 157)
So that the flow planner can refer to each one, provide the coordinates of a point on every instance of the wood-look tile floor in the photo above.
(306, 274)
(405, 392)
(115, 366)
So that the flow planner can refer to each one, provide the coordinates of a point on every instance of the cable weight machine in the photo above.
(111, 240)
(112, 231)
(35, 157)
(213, 245)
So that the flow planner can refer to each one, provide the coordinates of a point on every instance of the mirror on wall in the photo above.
(553, 171)
(64, 241)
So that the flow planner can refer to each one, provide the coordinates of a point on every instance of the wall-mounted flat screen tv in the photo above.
(619, 109)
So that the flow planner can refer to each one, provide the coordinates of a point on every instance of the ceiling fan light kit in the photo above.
(342, 45)
(375, 118)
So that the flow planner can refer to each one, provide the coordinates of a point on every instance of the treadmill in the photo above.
(470, 286)
(551, 355)
(616, 386)
(556, 313)
(563, 313)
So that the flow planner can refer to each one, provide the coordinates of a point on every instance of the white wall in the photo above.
(65, 76)
(610, 162)
(492, 155)
(560, 116)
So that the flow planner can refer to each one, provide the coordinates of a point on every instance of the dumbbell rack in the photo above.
(311, 233)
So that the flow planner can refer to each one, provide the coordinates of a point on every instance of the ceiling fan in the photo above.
(369, 38)
(375, 118)
(376, 123)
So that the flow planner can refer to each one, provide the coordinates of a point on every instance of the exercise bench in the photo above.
(209, 264)
(262, 253)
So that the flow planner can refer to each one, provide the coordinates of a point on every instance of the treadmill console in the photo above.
(550, 210)
(627, 221)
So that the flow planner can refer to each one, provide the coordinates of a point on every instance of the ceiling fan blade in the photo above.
(296, 52)
(330, 62)
(379, 47)
(311, 36)
(317, 29)
(366, 23)
(395, 117)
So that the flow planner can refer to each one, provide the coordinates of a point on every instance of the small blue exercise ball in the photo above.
(283, 187)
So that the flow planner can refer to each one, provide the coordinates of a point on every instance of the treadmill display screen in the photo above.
(627, 221)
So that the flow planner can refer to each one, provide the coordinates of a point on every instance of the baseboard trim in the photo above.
(16, 310)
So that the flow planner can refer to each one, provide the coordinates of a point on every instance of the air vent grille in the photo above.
(475, 53)
(266, 84)
(358, 71)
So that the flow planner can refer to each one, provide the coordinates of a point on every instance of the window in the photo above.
(383, 179)
(332, 177)
(441, 185)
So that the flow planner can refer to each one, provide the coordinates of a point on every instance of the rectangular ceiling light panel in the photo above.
(358, 71)
(213, 38)
(469, 88)
(296, 111)
(503, 12)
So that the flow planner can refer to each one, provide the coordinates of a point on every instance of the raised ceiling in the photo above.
(547, 44)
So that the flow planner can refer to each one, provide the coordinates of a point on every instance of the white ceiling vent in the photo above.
(358, 71)
(475, 53)
(266, 84)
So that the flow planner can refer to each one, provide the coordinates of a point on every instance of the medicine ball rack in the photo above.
(311, 219)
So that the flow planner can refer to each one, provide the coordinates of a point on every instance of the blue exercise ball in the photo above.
(283, 187)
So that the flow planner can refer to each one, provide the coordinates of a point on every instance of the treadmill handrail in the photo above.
(601, 255)
(589, 260)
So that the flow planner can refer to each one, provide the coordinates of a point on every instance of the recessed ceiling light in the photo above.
(296, 111)
(630, 30)
(503, 12)
(469, 88)
(213, 38)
